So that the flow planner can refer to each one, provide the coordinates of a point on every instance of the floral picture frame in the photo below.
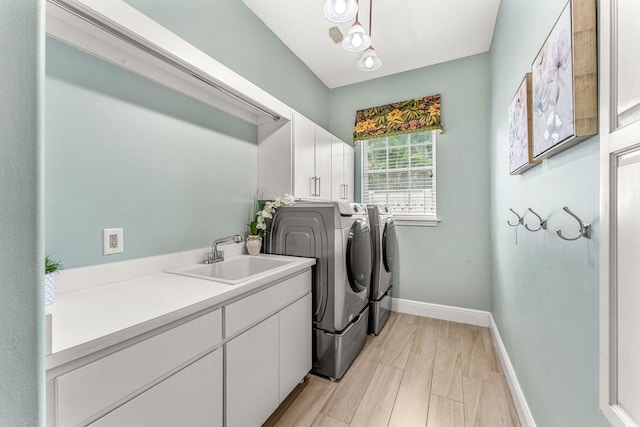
(564, 82)
(520, 129)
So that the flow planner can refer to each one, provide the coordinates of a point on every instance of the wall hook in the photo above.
(520, 219)
(585, 229)
(543, 223)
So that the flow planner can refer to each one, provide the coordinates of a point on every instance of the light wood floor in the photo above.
(417, 372)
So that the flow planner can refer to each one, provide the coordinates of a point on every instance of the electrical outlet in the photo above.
(113, 241)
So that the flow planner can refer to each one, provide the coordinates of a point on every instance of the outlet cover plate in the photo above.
(113, 240)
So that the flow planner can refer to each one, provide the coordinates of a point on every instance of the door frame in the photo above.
(614, 141)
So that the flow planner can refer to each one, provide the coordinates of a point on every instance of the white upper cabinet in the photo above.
(295, 158)
(322, 164)
(114, 31)
(304, 157)
(342, 165)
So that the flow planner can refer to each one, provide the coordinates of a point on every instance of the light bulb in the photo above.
(368, 62)
(356, 41)
(340, 10)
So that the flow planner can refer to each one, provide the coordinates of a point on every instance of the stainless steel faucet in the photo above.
(215, 255)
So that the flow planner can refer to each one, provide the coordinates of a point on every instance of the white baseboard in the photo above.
(524, 413)
(477, 318)
(443, 312)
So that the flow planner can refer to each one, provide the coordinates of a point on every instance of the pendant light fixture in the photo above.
(369, 61)
(357, 39)
(340, 10)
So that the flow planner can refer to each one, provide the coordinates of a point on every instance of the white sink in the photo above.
(232, 271)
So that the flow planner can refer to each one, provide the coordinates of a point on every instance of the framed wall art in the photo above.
(564, 82)
(520, 132)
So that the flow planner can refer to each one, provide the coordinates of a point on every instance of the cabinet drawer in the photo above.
(247, 311)
(191, 397)
(86, 391)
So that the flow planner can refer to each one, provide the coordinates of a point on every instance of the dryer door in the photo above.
(359, 256)
(389, 245)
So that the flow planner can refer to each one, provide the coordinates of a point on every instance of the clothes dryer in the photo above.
(338, 236)
(384, 252)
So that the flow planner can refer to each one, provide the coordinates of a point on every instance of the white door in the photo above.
(620, 207)
(337, 165)
(342, 176)
(252, 375)
(304, 157)
(323, 163)
(295, 344)
(348, 172)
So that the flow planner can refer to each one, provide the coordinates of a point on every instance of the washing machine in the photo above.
(383, 234)
(338, 236)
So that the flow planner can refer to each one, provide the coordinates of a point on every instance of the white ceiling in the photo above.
(407, 34)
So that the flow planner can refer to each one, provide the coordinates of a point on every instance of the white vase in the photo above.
(254, 244)
(49, 288)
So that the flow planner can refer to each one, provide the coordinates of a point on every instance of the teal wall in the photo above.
(448, 264)
(544, 290)
(21, 253)
(229, 32)
(124, 152)
(161, 165)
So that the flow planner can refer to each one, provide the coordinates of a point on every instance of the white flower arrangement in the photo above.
(268, 211)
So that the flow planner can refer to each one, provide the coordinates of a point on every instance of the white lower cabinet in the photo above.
(83, 394)
(252, 375)
(191, 397)
(294, 345)
(266, 362)
(249, 354)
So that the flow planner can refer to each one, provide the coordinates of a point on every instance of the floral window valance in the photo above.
(414, 115)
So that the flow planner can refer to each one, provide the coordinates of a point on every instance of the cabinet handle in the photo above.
(313, 185)
(346, 191)
(319, 186)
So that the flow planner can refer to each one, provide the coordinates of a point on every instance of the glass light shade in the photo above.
(340, 10)
(356, 39)
(369, 61)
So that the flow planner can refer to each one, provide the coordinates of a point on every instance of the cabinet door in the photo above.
(295, 344)
(323, 163)
(191, 397)
(348, 171)
(342, 157)
(252, 375)
(304, 157)
(275, 159)
(337, 172)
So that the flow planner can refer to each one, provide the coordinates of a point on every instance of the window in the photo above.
(400, 171)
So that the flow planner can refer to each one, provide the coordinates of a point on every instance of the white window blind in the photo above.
(400, 171)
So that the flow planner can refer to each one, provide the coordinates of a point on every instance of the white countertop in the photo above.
(94, 318)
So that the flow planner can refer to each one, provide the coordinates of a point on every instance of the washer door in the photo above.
(389, 245)
(359, 256)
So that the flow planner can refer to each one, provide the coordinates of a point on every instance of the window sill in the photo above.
(416, 221)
